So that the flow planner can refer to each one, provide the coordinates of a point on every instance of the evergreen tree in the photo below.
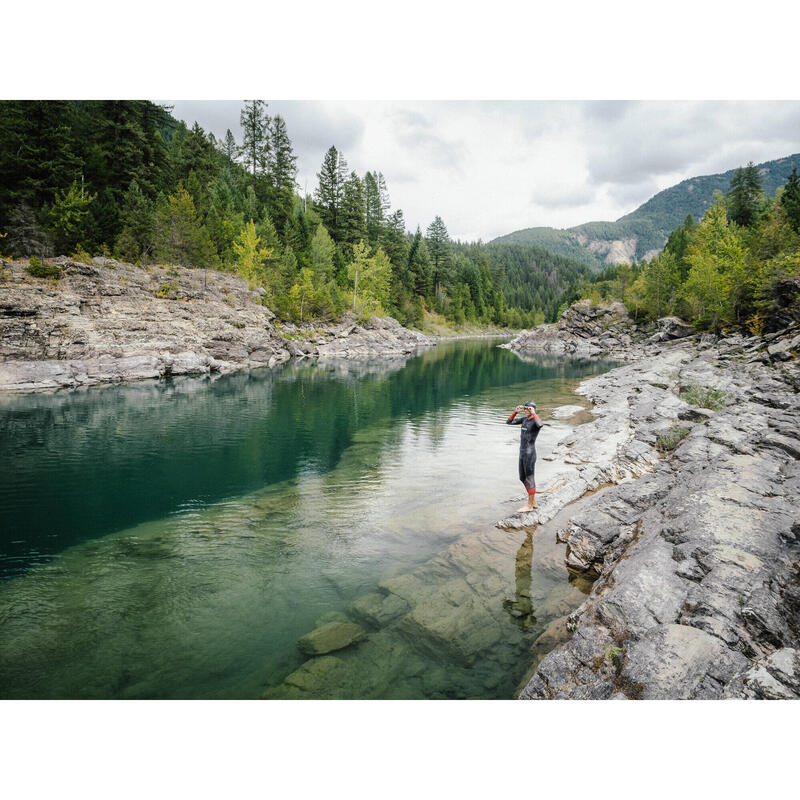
(745, 196)
(438, 241)
(282, 171)
(102, 222)
(179, 237)
(68, 215)
(790, 200)
(228, 146)
(353, 223)
(383, 193)
(329, 193)
(255, 144)
(420, 268)
(394, 242)
(373, 208)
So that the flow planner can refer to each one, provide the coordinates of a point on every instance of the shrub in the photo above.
(668, 441)
(81, 256)
(41, 270)
(704, 397)
(167, 290)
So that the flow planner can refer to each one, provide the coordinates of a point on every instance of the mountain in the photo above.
(642, 233)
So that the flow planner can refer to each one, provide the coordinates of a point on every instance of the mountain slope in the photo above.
(644, 231)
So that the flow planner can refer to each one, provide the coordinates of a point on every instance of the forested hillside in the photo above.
(636, 235)
(126, 178)
(739, 267)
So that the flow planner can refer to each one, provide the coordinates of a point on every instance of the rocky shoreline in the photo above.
(693, 533)
(107, 322)
(586, 330)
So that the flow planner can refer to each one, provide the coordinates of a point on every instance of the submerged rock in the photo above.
(331, 637)
(564, 412)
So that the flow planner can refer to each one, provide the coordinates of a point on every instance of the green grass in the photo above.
(704, 397)
(668, 441)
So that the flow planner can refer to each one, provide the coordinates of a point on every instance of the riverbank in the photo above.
(109, 322)
(693, 538)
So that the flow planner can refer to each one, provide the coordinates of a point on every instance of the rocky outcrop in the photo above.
(697, 563)
(109, 322)
(379, 336)
(582, 330)
(588, 330)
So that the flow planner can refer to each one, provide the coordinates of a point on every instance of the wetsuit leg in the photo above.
(527, 466)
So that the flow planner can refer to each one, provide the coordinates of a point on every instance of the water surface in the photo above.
(174, 539)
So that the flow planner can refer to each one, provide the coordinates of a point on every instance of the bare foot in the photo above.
(526, 509)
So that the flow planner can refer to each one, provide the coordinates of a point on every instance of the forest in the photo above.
(734, 269)
(125, 178)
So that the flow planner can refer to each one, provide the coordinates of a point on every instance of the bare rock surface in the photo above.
(109, 322)
(697, 562)
(586, 330)
(349, 338)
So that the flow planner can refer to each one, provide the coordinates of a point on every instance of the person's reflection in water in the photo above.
(521, 607)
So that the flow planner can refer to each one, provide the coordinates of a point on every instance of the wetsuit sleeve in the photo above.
(512, 421)
(539, 423)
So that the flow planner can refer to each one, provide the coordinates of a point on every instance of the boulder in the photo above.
(674, 328)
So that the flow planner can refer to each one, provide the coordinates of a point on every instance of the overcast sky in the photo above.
(489, 168)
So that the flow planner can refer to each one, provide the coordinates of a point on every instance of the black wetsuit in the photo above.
(527, 448)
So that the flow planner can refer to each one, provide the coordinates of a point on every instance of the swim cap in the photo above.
(531, 404)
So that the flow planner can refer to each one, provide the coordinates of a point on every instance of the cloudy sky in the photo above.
(489, 168)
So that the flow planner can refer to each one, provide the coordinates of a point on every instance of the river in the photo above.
(175, 539)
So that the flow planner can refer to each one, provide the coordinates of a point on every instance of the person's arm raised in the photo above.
(512, 419)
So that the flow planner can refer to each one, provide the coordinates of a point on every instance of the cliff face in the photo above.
(108, 322)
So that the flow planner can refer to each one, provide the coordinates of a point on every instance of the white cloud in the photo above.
(491, 167)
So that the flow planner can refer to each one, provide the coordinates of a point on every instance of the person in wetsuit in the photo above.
(531, 425)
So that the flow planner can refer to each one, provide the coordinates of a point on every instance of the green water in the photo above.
(175, 539)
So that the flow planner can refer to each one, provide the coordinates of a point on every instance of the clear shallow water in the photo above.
(176, 539)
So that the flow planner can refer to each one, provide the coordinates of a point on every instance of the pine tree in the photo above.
(353, 223)
(179, 236)
(420, 269)
(282, 171)
(745, 196)
(255, 144)
(384, 195)
(373, 208)
(329, 193)
(790, 200)
(228, 147)
(438, 245)
(68, 214)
